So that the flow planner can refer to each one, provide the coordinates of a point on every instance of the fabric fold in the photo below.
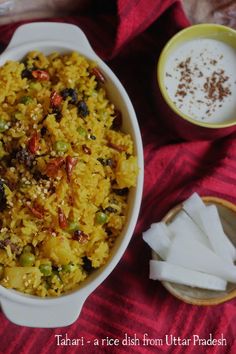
(136, 16)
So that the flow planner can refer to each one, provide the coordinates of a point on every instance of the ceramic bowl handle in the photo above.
(42, 316)
(50, 31)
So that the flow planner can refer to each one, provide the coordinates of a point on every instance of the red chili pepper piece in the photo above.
(62, 219)
(119, 148)
(70, 164)
(41, 75)
(33, 143)
(55, 99)
(36, 210)
(53, 166)
(98, 74)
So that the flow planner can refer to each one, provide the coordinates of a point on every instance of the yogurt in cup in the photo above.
(197, 79)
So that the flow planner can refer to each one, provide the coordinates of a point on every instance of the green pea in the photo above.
(26, 99)
(67, 268)
(27, 259)
(3, 126)
(35, 86)
(61, 146)
(82, 131)
(101, 218)
(46, 269)
(72, 226)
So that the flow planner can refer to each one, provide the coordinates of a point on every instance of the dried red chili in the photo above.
(36, 210)
(53, 166)
(119, 148)
(55, 99)
(98, 74)
(70, 164)
(33, 143)
(62, 219)
(41, 75)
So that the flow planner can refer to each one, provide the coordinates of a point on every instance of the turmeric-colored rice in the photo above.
(65, 173)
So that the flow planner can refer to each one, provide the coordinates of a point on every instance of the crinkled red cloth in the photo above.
(129, 37)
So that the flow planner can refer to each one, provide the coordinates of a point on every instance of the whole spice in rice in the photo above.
(71, 93)
(80, 236)
(83, 109)
(98, 74)
(25, 157)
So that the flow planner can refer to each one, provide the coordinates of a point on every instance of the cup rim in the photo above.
(160, 66)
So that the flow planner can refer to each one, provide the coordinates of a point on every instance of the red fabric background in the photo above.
(129, 36)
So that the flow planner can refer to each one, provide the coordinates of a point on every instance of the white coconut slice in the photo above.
(161, 270)
(210, 223)
(192, 254)
(192, 205)
(158, 238)
(185, 225)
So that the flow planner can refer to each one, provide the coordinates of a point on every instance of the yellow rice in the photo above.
(105, 170)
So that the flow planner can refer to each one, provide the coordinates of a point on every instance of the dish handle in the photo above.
(49, 31)
(48, 315)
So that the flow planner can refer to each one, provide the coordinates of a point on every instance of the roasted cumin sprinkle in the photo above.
(214, 86)
(199, 82)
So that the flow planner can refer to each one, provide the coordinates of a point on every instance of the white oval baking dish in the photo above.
(62, 311)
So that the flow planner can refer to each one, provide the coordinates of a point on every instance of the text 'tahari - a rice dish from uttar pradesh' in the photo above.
(65, 173)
